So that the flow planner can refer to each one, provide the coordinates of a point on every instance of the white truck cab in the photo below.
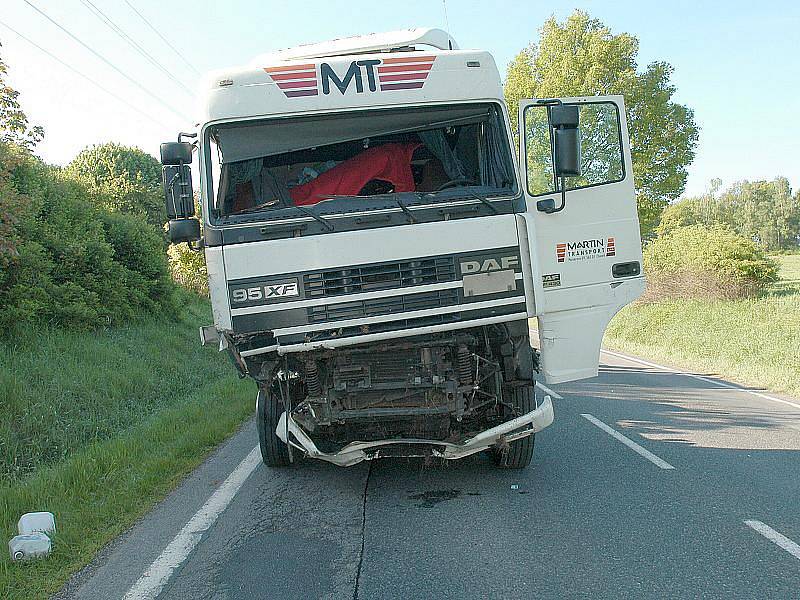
(376, 243)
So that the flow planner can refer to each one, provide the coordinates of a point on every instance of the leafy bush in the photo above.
(12, 205)
(72, 263)
(188, 268)
(122, 179)
(706, 262)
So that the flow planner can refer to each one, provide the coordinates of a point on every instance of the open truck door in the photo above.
(581, 223)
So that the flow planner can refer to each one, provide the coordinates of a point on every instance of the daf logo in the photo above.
(490, 264)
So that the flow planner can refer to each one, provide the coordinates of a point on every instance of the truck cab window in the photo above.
(430, 153)
(601, 148)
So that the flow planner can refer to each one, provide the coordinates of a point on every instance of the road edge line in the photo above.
(156, 576)
(775, 537)
(659, 462)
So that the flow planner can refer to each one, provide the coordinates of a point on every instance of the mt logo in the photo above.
(360, 76)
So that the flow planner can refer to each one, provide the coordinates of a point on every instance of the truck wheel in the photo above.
(269, 408)
(518, 455)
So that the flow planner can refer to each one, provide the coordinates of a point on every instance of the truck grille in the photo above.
(381, 276)
(382, 306)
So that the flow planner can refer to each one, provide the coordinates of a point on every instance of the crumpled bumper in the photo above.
(355, 452)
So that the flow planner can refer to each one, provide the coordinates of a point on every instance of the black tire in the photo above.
(518, 455)
(269, 408)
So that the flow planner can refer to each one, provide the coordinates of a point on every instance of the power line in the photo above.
(86, 77)
(106, 61)
(133, 43)
(163, 39)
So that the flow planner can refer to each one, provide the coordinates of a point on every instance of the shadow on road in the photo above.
(669, 407)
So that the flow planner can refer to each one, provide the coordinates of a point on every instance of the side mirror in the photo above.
(178, 193)
(176, 153)
(183, 230)
(176, 176)
(564, 122)
(564, 119)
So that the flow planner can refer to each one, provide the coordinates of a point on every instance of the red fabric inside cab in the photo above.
(389, 162)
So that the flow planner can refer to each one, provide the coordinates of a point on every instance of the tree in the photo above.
(765, 212)
(126, 180)
(705, 209)
(17, 139)
(14, 126)
(762, 211)
(582, 57)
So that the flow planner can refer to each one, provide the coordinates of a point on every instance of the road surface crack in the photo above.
(363, 527)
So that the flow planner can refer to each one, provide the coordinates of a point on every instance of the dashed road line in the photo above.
(775, 537)
(659, 462)
(701, 378)
(155, 577)
(547, 390)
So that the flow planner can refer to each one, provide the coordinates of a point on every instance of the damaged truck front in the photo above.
(374, 255)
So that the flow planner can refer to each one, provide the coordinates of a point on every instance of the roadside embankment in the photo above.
(98, 426)
(754, 341)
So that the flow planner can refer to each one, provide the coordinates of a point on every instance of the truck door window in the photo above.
(601, 148)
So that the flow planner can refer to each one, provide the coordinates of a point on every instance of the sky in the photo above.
(737, 63)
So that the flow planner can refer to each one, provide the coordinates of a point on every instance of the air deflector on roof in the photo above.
(373, 42)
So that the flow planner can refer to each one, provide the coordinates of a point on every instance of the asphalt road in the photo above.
(595, 515)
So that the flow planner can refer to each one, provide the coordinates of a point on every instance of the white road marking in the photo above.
(152, 581)
(628, 442)
(701, 378)
(547, 390)
(776, 538)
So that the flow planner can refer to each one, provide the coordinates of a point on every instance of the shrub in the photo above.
(122, 179)
(706, 262)
(73, 263)
(188, 268)
(12, 205)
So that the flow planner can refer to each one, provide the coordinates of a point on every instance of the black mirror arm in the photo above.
(171, 188)
(548, 205)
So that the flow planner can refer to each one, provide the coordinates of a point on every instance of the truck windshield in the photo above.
(357, 161)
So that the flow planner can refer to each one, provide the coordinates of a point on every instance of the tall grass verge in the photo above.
(97, 427)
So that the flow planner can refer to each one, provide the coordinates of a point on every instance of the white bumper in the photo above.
(355, 452)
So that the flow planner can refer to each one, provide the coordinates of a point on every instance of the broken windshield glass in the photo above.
(363, 156)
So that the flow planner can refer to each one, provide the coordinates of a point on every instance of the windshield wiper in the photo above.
(406, 210)
(252, 209)
(389, 195)
(325, 223)
(477, 196)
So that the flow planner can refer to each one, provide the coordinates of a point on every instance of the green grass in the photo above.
(755, 341)
(97, 427)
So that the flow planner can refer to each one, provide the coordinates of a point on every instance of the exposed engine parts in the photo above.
(437, 388)
(464, 365)
(312, 378)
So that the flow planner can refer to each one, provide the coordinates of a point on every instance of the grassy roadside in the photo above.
(755, 342)
(97, 427)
